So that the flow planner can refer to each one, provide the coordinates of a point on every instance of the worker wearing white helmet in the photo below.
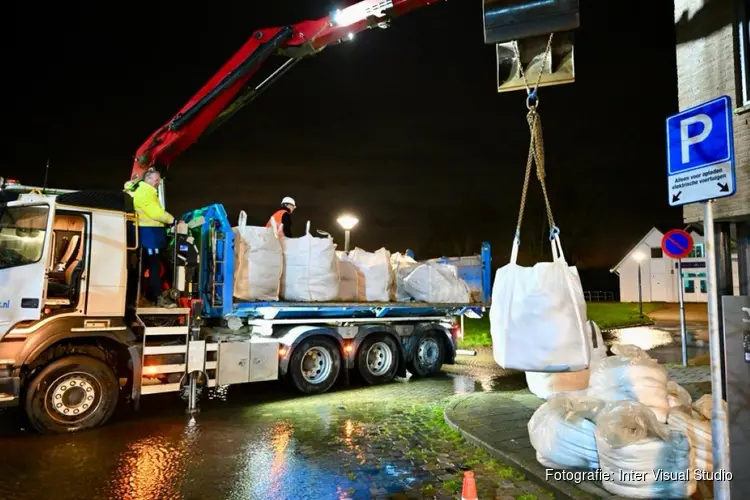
(281, 219)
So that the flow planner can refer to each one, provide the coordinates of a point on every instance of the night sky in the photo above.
(402, 126)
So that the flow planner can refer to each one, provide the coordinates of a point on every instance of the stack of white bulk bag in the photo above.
(631, 375)
(639, 456)
(437, 283)
(544, 384)
(351, 280)
(562, 432)
(310, 269)
(402, 266)
(375, 267)
(259, 262)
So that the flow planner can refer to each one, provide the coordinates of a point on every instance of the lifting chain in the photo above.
(536, 143)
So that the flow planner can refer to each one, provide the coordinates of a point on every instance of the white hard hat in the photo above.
(288, 201)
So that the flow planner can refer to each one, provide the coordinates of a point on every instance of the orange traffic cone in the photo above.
(470, 487)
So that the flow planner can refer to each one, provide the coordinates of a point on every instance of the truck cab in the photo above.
(63, 284)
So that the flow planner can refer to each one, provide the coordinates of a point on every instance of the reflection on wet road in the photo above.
(663, 340)
(264, 441)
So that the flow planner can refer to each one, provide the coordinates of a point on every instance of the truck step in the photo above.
(166, 330)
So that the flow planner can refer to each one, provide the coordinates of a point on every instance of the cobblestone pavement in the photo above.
(497, 422)
(263, 441)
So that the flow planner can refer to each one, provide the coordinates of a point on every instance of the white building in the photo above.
(659, 276)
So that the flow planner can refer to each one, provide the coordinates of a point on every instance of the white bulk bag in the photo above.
(544, 384)
(698, 432)
(630, 439)
(310, 269)
(562, 432)
(375, 267)
(351, 280)
(437, 283)
(631, 375)
(402, 266)
(538, 316)
(258, 262)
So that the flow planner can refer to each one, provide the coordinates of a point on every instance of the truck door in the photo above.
(25, 234)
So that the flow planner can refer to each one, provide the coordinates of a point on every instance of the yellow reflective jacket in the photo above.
(147, 205)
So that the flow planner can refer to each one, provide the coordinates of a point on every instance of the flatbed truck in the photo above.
(74, 343)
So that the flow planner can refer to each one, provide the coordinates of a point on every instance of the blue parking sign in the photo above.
(700, 153)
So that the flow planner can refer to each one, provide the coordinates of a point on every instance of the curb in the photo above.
(537, 474)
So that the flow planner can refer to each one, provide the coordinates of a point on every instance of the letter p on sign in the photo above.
(686, 140)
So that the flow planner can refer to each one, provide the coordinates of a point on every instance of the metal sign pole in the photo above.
(719, 431)
(683, 328)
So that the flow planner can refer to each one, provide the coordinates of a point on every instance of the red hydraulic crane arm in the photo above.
(227, 91)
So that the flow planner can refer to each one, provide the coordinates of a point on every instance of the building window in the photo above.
(656, 253)
(696, 252)
(690, 286)
(704, 287)
(743, 45)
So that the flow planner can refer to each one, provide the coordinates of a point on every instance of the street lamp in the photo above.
(347, 222)
(638, 256)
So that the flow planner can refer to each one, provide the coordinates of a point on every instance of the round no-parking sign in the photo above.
(677, 243)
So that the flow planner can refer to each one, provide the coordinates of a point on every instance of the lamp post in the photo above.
(638, 256)
(347, 222)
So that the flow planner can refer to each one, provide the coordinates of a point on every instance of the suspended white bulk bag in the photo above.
(351, 280)
(258, 262)
(538, 316)
(310, 269)
(375, 267)
(437, 283)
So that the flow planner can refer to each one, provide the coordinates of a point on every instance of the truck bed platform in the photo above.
(324, 310)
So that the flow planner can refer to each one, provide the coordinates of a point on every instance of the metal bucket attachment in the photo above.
(506, 20)
(558, 69)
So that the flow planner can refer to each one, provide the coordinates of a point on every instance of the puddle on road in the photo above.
(645, 337)
(258, 441)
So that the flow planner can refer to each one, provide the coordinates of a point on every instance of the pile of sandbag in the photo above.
(562, 432)
(545, 384)
(311, 269)
(401, 266)
(437, 283)
(639, 456)
(631, 375)
(259, 262)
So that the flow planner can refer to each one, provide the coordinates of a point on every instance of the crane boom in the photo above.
(226, 92)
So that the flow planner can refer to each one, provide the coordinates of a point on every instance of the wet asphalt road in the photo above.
(263, 441)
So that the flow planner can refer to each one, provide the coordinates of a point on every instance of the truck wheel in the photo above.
(315, 365)
(377, 359)
(72, 394)
(428, 356)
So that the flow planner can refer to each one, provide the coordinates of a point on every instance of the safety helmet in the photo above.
(288, 201)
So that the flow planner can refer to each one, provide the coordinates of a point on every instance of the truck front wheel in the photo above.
(72, 394)
(428, 356)
(315, 365)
